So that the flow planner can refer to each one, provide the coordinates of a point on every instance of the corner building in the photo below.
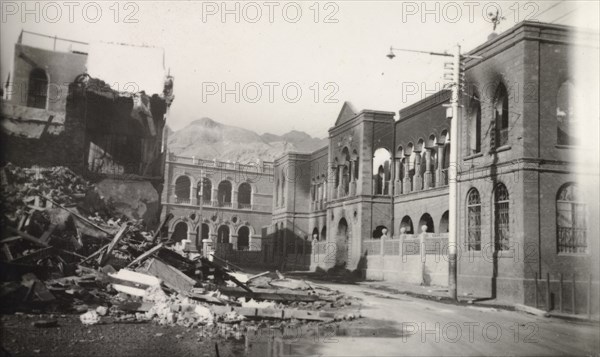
(376, 198)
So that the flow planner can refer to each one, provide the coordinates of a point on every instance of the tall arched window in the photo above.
(224, 194)
(501, 115)
(501, 218)
(182, 189)
(243, 238)
(37, 92)
(245, 196)
(381, 171)
(571, 228)
(206, 190)
(565, 115)
(473, 220)
(474, 127)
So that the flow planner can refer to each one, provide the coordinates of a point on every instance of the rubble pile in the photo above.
(64, 249)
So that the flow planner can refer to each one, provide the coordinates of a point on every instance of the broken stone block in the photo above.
(102, 310)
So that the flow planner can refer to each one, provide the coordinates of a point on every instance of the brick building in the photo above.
(376, 199)
(217, 204)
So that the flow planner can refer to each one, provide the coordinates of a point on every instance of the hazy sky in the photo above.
(330, 51)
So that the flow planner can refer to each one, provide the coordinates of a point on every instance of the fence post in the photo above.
(423, 252)
(536, 290)
(560, 291)
(589, 297)
(548, 302)
(573, 309)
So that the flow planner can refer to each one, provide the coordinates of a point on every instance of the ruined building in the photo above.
(56, 112)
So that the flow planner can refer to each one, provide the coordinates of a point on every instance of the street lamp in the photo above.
(452, 169)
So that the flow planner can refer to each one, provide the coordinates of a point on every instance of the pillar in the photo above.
(353, 177)
(234, 241)
(234, 197)
(194, 195)
(417, 179)
(397, 178)
(213, 197)
(440, 160)
(427, 177)
(340, 181)
(406, 180)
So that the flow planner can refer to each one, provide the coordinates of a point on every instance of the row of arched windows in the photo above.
(180, 232)
(205, 190)
(571, 225)
(566, 119)
(317, 236)
(501, 218)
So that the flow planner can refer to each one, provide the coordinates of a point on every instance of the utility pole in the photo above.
(452, 174)
(456, 83)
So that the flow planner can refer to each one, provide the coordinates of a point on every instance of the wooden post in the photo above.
(560, 291)
(536, 290)
(589, 297)
(573, 310)
(548, 295)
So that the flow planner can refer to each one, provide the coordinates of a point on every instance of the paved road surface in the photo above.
(399, 325)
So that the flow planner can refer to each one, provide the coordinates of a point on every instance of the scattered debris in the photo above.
(64, 248)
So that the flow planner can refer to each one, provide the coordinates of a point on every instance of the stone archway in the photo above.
(342, 238)
(180, 232)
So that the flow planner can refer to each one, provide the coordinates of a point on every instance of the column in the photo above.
(201, 193)
(213, 197)
(397, 178)
(234, 241)
(353, 177)
(417, 179)
(339, 188)
(427, 178)
(234, 198)
(194, 195)
(406, 180)
(440, 160)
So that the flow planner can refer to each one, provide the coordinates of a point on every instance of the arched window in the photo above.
(324, 233)
(407, 224)
(473, 220)
(443, 228)
(223, 234)
(381, 171)
(243, 238)
(501, 115)
(565, 115)
(315, 234)
(474, 127)
(205, 231)
(501, 218)
(182, 189)
(571, 227)
(206, 190)
(245, 196)
(378, 232)
(427, 221)
(38, 89)
(180, 232)
(224, 194)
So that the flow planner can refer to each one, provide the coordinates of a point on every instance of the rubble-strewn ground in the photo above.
(78, 278)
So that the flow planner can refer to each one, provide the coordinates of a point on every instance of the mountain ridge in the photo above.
(208, 139)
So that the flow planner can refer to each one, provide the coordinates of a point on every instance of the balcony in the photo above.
(183, 201)
(245, 205)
